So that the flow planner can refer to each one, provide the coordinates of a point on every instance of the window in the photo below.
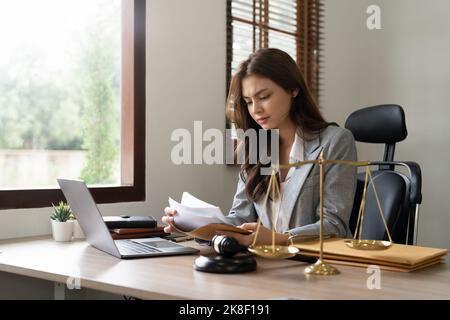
(72, 99)
(290, 25)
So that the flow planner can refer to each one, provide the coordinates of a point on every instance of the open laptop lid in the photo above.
(88, 215)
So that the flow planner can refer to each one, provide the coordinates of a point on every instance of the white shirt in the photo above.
(295, 155)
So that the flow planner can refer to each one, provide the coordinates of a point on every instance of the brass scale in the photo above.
(273, 251)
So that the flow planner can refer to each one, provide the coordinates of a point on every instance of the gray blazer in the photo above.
(301, 194)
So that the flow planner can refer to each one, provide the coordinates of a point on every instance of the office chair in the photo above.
(400, 194)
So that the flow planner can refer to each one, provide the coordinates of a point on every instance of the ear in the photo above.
(295, 92)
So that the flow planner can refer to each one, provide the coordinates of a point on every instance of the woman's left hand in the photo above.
(264, 235)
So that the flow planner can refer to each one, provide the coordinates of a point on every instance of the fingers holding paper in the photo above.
(243, 239)
(264, 235)
(252, 226)
(168, 219)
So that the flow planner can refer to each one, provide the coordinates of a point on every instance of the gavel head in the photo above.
(225, 246)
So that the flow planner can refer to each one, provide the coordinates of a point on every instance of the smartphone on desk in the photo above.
(119, 222)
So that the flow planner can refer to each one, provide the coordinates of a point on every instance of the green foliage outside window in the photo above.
(77, 109)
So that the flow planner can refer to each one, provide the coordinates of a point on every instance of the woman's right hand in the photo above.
(168, 219)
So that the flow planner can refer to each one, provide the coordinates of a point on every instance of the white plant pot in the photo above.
(62, 231)
(77, 232)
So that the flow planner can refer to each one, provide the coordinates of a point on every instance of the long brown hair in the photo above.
(279, 67)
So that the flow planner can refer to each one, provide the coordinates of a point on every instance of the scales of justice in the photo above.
(274, 251)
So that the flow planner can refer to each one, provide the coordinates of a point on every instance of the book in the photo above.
(199, 218)
(135, 233)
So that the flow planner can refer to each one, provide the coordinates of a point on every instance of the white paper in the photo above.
(193, 213)
(189, 200)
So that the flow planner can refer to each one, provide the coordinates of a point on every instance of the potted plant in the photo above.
(62, 224)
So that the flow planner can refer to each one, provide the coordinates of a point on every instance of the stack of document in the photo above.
(199, 218)
(193, 213)
(398, 257)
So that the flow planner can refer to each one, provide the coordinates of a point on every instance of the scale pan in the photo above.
(368, 244)
(274, 252)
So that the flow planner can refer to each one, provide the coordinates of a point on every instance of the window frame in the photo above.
(133, 139)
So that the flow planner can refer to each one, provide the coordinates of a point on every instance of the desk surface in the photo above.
(174, 277)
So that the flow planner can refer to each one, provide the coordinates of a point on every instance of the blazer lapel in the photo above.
(293, 187)
(311, 151)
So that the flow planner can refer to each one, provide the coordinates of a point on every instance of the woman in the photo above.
(269, 92)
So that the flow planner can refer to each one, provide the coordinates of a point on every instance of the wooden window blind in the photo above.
(293, 26)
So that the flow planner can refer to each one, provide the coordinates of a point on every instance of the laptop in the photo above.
(98, 235)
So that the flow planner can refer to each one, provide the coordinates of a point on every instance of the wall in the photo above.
(406, 63)
(186, 82)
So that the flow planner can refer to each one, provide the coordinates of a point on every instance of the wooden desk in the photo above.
(174, 277)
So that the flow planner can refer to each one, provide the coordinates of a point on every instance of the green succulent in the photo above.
(62, 212)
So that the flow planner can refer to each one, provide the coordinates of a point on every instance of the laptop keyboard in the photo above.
(129, 247)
